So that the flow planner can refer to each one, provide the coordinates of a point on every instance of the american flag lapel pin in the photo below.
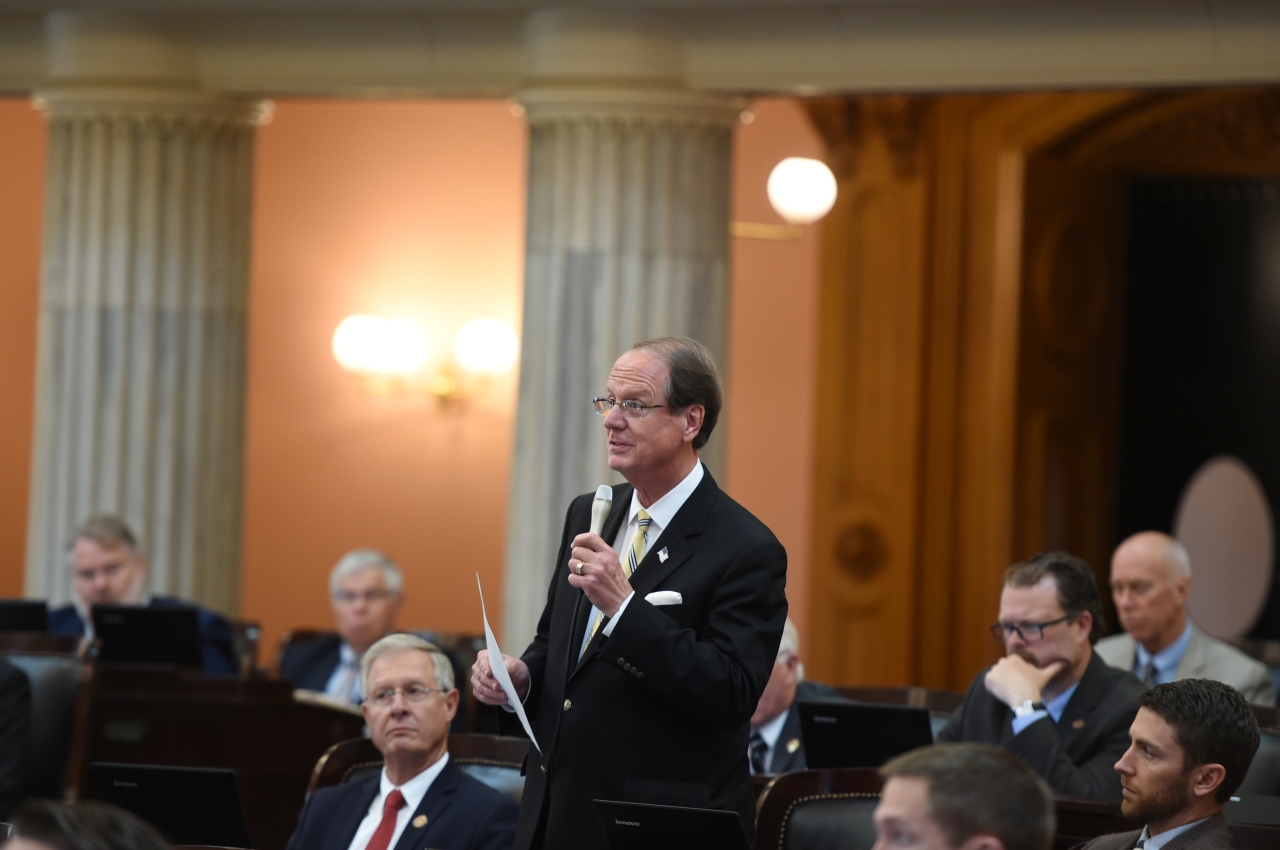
(662, 556)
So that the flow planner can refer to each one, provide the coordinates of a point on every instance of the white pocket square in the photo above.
(664, 597)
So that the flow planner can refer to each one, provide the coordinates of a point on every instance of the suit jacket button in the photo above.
(568, 704)
(639, 675)
(622, 662)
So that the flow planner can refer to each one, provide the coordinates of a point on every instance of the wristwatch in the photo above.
(1026, 707)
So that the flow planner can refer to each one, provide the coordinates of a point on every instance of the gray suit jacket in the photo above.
(1210, 835)
(1206, 658)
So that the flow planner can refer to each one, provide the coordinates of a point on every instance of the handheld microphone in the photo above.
(600, 508)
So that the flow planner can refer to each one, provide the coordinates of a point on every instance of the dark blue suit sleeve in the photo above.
(498, 829)
(216, 645)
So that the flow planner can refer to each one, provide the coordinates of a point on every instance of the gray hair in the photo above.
(362, 559)
(105, 530)
(400, 642)
(1175, 555)
(692, 378)
(790, 646)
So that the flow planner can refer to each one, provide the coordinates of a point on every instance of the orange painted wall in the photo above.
(411, 209)
(22, 149)
(773, 348)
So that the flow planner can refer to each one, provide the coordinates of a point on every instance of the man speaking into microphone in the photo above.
(640, 687)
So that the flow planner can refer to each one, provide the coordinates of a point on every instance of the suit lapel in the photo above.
(616, 519)
(433, 804)
(353, 812)
(1193, 660)
(1075, 716)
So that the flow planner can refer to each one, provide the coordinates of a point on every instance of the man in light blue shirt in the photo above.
(1192, 743)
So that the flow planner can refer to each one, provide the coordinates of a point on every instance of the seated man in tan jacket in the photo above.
(1150, 580)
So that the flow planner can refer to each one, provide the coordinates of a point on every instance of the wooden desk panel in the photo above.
(169, 717)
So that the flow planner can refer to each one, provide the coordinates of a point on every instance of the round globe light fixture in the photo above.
(372, 345)
(801, 190)
(486, 346)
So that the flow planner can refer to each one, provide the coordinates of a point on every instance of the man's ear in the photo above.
(1206, 778)
(1085, 621)
(693, 416)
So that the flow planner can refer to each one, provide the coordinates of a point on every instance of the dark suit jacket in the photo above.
(784, 759)
(15, 719)
(658, 711)
(1077, 755)
(215, 632)
(462, 814)
(310, 664)
(1210, 835)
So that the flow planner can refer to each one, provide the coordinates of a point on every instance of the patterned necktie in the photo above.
(639, 545)
(756, 749)
(382, 835)
(1149, 673)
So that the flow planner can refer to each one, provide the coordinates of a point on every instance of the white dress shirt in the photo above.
(770, 732)
(660, 513)
(1148, 842)
(413, 790)
(344, 682)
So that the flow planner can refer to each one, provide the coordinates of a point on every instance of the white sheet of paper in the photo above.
(500, 671)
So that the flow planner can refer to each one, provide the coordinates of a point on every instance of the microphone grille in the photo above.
(604, 491)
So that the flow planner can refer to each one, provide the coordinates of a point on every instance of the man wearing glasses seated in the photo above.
(421, 798)
(365, 591)
(1051, 700)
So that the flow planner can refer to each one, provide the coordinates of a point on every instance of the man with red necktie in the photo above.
(421, 798)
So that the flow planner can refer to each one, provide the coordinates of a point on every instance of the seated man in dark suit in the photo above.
(1051, 700)
(15, 718)
(421, 798)
(1193, 742)
(775, 745)
(109, 569)
(365, 591)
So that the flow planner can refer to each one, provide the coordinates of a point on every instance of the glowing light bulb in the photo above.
(801, 190)
(373, 345)
(488, 346)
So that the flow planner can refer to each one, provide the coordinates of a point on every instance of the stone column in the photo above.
(628, 228)
(140, 384)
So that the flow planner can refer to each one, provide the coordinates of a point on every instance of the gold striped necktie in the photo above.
(639, 545)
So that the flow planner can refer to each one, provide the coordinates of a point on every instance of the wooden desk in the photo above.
(170, 717)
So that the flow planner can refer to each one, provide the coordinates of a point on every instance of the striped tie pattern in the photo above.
(639, 545)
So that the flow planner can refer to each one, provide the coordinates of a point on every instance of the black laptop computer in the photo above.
(858, 734)
(132, 634)
(24, 615)
(642, 826)
(189, 805)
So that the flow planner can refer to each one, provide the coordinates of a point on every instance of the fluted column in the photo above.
(628, 222)
(140, 385)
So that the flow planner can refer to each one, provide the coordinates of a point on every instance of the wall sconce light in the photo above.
(800, 190)
(387, 355)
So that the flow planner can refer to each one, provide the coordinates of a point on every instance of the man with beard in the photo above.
(1051, 700)
(1193, 742)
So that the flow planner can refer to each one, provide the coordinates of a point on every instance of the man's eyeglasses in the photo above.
(348, 597)
(1027, 631)
(630, 408)
(414, 694)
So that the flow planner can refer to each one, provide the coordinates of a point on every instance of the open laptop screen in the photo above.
(860, 734)
(189, 805)
(148, 635)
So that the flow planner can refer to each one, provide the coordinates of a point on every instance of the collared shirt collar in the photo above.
(1058, 704)
(771, 730)
(1167, 659)
(1158, 841)
(664, 509)
(346, 654)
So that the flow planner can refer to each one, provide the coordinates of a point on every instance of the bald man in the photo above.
(1150, 580)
